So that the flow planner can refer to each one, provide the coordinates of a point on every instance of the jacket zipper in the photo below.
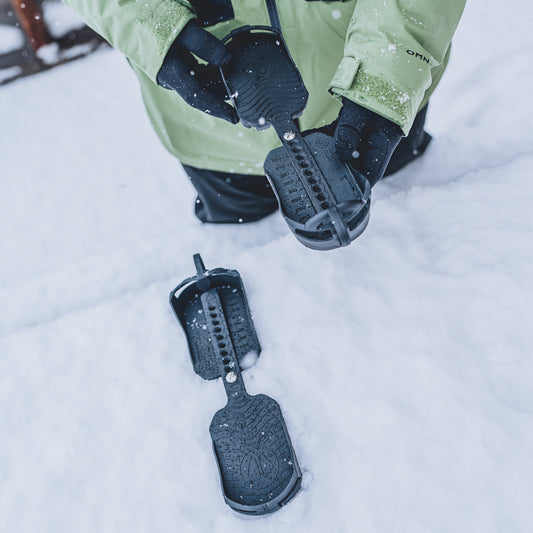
(273, 14)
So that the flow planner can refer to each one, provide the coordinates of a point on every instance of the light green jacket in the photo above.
(387, 55)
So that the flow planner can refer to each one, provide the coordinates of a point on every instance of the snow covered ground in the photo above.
(403, 363)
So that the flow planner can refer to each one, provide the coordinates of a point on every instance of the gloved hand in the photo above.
(198, 84)
(365, 140)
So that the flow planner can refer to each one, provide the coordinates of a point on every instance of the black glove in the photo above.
(199, 85)
(365, 140)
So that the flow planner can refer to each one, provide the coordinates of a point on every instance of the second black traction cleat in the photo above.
(325, 202)
(259, 472)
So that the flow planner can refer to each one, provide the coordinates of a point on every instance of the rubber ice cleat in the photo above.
(325, 203)
(259, 472)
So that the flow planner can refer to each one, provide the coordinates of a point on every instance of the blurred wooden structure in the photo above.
(31, 21)
(27, 16)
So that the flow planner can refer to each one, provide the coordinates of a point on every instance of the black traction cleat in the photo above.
(325, 203)
(259, 472)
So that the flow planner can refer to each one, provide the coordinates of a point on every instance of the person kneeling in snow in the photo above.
(370, 68)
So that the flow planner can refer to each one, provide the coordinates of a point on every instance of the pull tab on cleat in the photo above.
(259, 472)
(325, 203)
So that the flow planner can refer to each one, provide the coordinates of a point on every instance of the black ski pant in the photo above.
(232, 198)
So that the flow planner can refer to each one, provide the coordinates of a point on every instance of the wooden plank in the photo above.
(31, 21)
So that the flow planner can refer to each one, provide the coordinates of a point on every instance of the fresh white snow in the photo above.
(403, 363)
(11, 39)
(59, 19)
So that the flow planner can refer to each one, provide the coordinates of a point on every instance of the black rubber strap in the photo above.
(273, 14)
(222, 343)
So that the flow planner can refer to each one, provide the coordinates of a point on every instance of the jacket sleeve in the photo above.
(393, 50)
(143, 30)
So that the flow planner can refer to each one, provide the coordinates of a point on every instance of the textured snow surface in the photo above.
(403, 363)
(11, 38)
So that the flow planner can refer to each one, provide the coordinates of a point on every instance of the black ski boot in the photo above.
(411, 147)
